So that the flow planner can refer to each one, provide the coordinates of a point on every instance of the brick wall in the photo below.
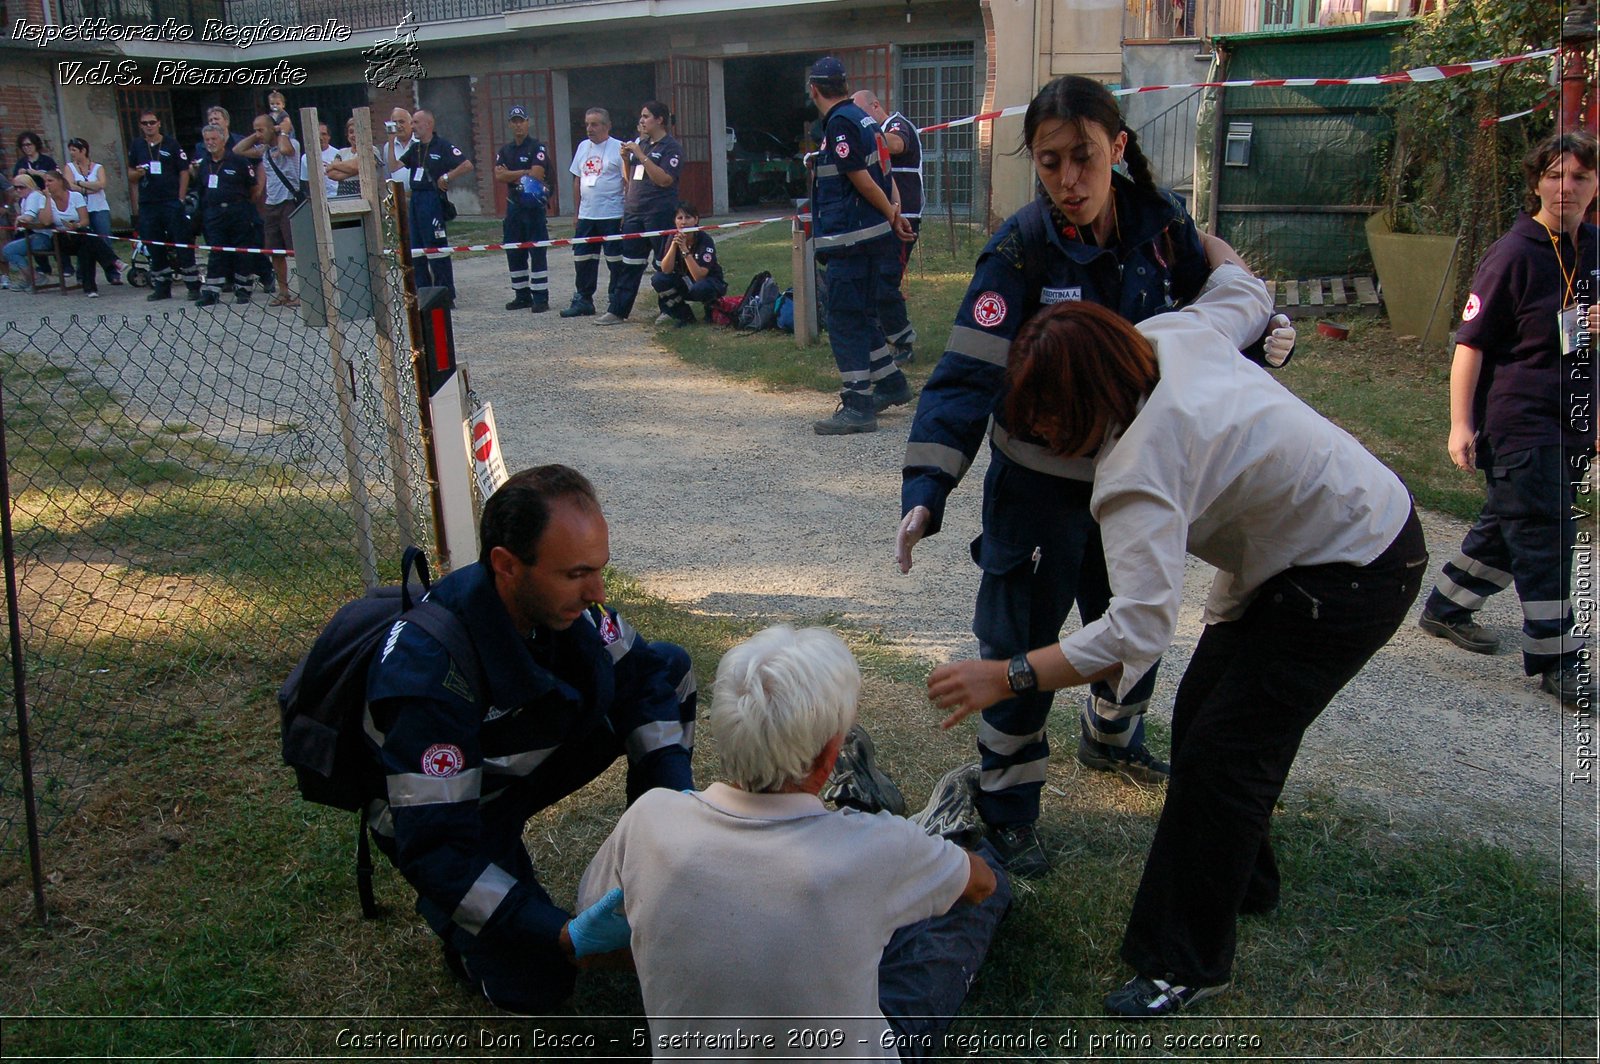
(27, 102)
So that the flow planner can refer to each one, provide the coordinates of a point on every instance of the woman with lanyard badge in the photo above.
(1095, 235)
(1522, 408)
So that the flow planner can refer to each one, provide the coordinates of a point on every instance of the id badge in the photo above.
(589, 180)
(638, 172)
(211, 182)
(154, 167)
(1567, 323)
(419, 175)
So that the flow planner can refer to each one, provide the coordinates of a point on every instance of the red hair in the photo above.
(1074, 368)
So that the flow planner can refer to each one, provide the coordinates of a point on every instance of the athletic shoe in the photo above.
(846, 420)
(1568, 683)
(522, 301)
(1135, 763)
(663, 318)
(883, 398)
(856, 780)
(5, 283)
(92, 295)
(1146, 998)
(1020, 850)
(1468, 634)
(950, 812)
(609, 318)
(580, 308)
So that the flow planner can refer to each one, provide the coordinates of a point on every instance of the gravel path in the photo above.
(721, 499)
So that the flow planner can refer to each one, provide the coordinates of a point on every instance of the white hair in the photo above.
(779, 698)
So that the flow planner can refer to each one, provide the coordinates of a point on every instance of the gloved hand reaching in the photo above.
(601, 928)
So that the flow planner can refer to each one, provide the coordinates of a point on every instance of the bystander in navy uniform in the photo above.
(431, 164)
(525, 157)
(856, 228)
(158, 179)
(905, 170)
(1522, 408)
(226, 184)
(652, 163)
(688, 271)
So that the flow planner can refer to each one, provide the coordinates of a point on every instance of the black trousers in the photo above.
(1252, 688)
(90, 251)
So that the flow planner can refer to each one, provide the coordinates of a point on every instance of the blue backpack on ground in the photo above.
(786, 310)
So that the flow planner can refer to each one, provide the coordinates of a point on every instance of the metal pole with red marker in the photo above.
(445, 385)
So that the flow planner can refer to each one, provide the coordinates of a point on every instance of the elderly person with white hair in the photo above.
(756, 911)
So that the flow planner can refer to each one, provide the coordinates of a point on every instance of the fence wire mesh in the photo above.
(183, 513)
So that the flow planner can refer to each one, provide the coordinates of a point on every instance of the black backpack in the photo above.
(322, 702)
(759, 308)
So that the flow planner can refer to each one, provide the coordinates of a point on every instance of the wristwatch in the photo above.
(1020, 675)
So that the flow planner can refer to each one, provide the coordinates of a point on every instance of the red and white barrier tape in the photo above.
(1546, 102)
(572, 241)
(1404, 77)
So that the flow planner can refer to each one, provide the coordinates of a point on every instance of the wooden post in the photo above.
(343, 379)
(373, 187)
(804, 260)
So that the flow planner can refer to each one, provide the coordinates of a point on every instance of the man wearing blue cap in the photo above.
(854, 224)
(520, 166)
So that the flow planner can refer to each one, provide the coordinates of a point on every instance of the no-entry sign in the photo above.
(483, 442)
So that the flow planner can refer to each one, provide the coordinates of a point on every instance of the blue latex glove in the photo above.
(601, 928)
(535, 191)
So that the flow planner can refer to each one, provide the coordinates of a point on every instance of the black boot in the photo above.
(159, 290)
(540, 304)
(194, 290)
(241, 294)
(522, 301)
(855, 414)
(580, 308)
(208, 299)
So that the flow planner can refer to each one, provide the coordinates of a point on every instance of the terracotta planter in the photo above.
(1418, 274)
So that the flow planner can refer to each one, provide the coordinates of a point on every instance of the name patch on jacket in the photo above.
(1073, 294)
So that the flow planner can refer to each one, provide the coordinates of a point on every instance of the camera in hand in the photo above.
(391, 127)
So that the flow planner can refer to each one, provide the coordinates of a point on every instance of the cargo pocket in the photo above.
(1005, 595)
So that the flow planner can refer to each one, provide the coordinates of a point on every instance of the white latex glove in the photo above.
(911, 529)
(1279, 344)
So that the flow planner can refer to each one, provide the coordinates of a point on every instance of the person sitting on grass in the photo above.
(754, 909)
(688, 271)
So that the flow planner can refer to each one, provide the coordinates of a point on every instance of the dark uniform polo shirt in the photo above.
(646, 199)
(162, 187)
(524, 156)
(1528, 394)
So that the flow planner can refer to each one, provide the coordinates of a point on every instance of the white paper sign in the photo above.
(483, 443)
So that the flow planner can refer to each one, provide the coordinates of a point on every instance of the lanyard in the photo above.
(1567, 275)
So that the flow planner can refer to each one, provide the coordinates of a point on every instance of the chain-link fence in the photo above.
(185, 516)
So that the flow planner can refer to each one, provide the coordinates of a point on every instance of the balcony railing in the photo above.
(358, 15)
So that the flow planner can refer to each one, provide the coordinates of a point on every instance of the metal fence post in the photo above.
(19, 675)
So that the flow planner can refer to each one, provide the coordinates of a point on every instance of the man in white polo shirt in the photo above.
(598, 184)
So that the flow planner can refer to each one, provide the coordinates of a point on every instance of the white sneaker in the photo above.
(92, 295)
(609, 318)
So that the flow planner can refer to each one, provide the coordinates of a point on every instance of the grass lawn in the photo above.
(199, 908)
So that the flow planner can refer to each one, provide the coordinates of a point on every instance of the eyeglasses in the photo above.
(149, 122)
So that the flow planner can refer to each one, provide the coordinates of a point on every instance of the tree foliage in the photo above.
(1448, 173)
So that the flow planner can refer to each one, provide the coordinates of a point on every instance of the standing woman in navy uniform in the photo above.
(1091, 234)
(651, 164)
(1522, 408)
(432, 164)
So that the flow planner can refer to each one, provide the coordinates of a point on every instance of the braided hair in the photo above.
(1078, 99)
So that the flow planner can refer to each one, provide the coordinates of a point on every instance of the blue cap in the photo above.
(825, 68)
(518, 112)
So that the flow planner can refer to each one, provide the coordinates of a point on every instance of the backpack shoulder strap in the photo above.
(446, 629)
